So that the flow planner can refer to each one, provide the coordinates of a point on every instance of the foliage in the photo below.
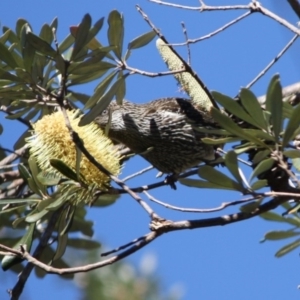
(38, 76)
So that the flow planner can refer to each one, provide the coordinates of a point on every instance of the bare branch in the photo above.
(273, 61)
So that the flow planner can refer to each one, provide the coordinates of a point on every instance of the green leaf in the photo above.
(120, 94)
(271, 216)
(252, 106)
(40, 45)
(280, 234)
(100, 90)
(219, 141)
(106, 200)
(83, 244)
(200, 184)
(19, 201)
(292, 153)
(7, 57)
(233, 128)
(234, 107)
(231, 163)
(259, 156)
(95, 29)
(274, 105)
(296, 163)
(259, 184)
(48, 178)
(103, 102)
(116, 32)
(60, 166)
(292, 126)
(288, 248)
(35, 171)
(212, 175)
(250, 207)
(142, 40)
(263, 166)
(66, 43)
(46, 34)
(81, 35)
(8, 261)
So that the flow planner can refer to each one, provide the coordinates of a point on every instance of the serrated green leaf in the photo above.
(212, 175)
(8, 261)
(263, 166)
(280, 234)
(292, 126)
(40, 45)
(231, 163)
(288, 248)
(274, 99)
(233, 128)
(81, 35)
(142, 40)
(234, 107)
(103, 102)
(252, 106)
(115, 32)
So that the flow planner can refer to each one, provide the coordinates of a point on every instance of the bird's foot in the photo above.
(171, 179)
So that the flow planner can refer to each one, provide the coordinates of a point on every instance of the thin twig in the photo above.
(187, 44)
(149, 74)
(201, 210)
(5, 109)
(202, 7)
(273, 61)
(137, 173)
(123, 246)
(227, 25)
(15, 155)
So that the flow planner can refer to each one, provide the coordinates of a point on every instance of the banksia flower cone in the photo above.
(51, 139)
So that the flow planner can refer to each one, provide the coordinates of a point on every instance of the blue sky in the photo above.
(211, 263)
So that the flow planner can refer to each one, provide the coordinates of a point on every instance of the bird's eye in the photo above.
(105, 111)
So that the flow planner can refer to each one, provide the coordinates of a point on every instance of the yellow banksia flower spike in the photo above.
(51, 139)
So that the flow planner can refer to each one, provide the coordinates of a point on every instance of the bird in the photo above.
(162, 131)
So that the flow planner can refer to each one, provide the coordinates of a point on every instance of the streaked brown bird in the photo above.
(162, 131)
